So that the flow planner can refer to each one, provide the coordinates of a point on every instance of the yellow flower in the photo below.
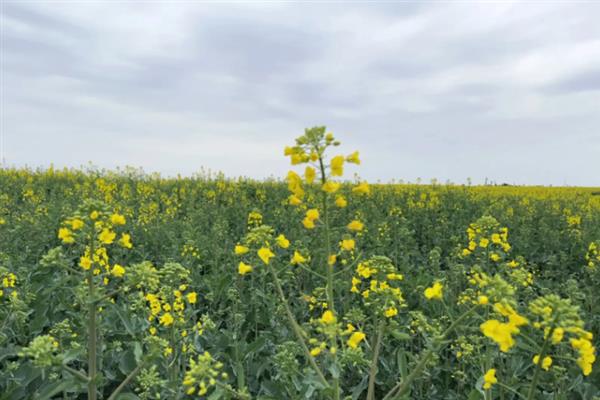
(355, 226)
(466, 252)
(308, 223)
(483, 300)
(489, 378)
(166, 319)
(94, 215)
(239, 249)
(76, 224)
(587, 354)
(484, 242)
(312, 214)
(347, 244)
(472, 245)
(328, 318)
(330, 187)
(191, 297)
(243, 268)
(495, 257)
(362, 188)
(315, 351)
(294, 200)
(331, 259)
(297, 258)
(118, 271)
(557, 335)
(117, 219)
(125, 241)
(341, 201)
(85, 262)
(355, 339)
(353, 158)
(66, 235)
(107, 236)
(546, 362)
(500, 332)
(309, 174)
(390, 312)
(282, 242)
(337, 166)
(434, 292)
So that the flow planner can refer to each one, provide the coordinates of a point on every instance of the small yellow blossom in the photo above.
(546, 362)
(341, 201)
(489, 378)
(125, 241)
(434, 292)
(107, 236)
(117, 219)
(191, 297)
(117, 271)
(282, 242)
(355, 226)
(309, 174)
(347, 244)
(66, 235)
(337, 166)
(355, 339)
(353, 158)
(239, 249)
(331, 187)
(265, 254)
(85, 262)
(297, 258)
(328, 318)
(362, 188)
(390, 312)
(244, 268)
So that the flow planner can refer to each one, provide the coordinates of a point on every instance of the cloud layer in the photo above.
(508, 91)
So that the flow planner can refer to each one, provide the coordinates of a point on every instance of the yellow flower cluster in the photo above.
(558, 317)
(202, 374)
(376, 281)
(488, 237)
(592, 256)
(9, 280)
(169, 309)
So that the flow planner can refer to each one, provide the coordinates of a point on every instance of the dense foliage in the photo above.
(310, 288)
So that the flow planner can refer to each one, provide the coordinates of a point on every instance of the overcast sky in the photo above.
(504, 90)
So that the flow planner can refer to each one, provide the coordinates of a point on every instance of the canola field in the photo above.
(121, 285)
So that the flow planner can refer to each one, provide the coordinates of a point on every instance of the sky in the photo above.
(503, 91)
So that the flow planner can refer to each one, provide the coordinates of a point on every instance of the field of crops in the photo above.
(132, 286)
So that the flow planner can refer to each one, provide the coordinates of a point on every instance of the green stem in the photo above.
(536, 374)
(126, 381)
(403, 386)
(76, 373)
(296, 327)
(373, 369)
(92, 329)
(330, 298)
(508, 388)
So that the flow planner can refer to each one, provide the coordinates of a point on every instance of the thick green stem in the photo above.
(373, 369)
(296, 327)
(403, 386)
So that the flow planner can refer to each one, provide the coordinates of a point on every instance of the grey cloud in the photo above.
(431, 90)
